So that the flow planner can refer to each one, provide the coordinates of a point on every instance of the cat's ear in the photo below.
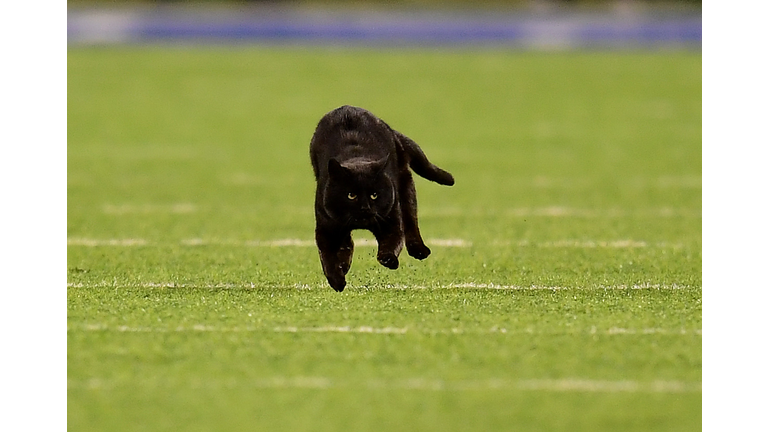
(336, 170)
(381, 164)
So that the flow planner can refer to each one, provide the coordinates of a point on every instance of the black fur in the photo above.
(364, 182)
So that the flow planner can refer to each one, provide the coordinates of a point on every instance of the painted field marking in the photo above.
(281, 243)
(201, 328)
(564, 212)
(342, 329)
(557, 211)
(449, 242)
(105, 284)
(590, 244)
(178, 208)
(365, 242)
(579, 385)
(605, 386)
(105, 242)
(288, 242)
(549, 211)
(619, 244)
(494, 286)
(302, 286)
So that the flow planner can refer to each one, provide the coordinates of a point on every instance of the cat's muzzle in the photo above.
(364, 221)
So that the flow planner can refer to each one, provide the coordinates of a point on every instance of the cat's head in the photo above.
(359, 192)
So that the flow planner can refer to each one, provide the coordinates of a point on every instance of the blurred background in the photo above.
(524, 23)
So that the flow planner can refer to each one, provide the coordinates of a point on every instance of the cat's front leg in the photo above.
(346, 250)
(390, 239)
(335, 256)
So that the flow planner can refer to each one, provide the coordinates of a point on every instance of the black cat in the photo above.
(363, 182)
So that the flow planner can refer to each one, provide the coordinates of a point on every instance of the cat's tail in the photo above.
(420, 164)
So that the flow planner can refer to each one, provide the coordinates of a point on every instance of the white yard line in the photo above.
(589, 244)
(201, 328)
(618, 244)
(578, 385)
(365, 242)
(341, 329)
(280, 243)
(449, 242)
(105, 284)
(106, 242)
(564, 212)
(121, 209)
(604, 386)
(287, 242)
(301, 286)
(493, 286)
(549, 211)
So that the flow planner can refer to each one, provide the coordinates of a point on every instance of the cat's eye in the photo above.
(351, 196)
(374, 196)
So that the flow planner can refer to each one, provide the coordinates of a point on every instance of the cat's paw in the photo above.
(337, 283)
(389, 261)
(418, 250)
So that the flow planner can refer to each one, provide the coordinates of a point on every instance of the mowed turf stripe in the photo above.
(378, 330)
(583, 385)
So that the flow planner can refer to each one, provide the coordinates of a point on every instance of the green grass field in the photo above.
(564, 288)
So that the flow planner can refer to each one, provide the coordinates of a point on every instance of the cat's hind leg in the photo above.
(413, 241)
